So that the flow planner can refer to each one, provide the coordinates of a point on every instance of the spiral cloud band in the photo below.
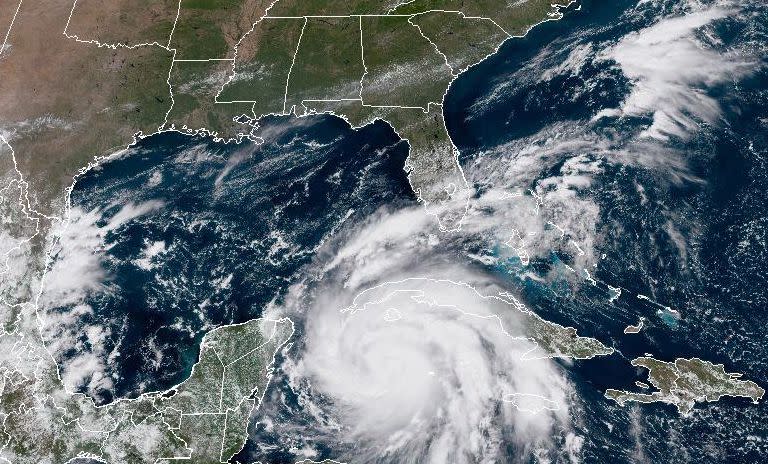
(424, 370)
(432, 366)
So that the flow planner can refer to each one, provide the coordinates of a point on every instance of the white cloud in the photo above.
(76, 268)
(411, 348)
(86, 369)
(671, 70)
(76, 272)
(429, 385)
(151, 250)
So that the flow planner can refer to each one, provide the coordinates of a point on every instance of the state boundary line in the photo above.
(290, 69)
(10, 26)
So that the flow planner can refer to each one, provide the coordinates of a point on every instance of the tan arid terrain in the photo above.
(63, 102)
(81, 79)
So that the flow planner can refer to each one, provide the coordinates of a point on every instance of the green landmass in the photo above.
(195, 85)
(514, 17)
(564, 342)
(429, 143)
(402, 67)
(328, 64)
(263, 65)
(204, 419)
(300, 8)
(464, 41)
(210, 29)
(685, 382)
(555, 340)
(378, 62)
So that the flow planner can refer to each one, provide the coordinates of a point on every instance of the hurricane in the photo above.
(424, 370)
(409, 355)
(615, 166)
(414, 346)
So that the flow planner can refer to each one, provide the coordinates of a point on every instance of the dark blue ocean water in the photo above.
(235, 242)
(237, 222)
(719, 286)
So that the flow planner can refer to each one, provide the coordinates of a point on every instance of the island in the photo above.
(633, 329)
(685, 382)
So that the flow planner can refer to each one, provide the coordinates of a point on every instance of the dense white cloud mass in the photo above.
(411, 353)
(77, 268)
(422, 368)
(671, 69)
(422, 359)
(77, 272)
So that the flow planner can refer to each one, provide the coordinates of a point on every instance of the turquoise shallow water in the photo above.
(713, 275)
(239, 223)
(236, 222)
